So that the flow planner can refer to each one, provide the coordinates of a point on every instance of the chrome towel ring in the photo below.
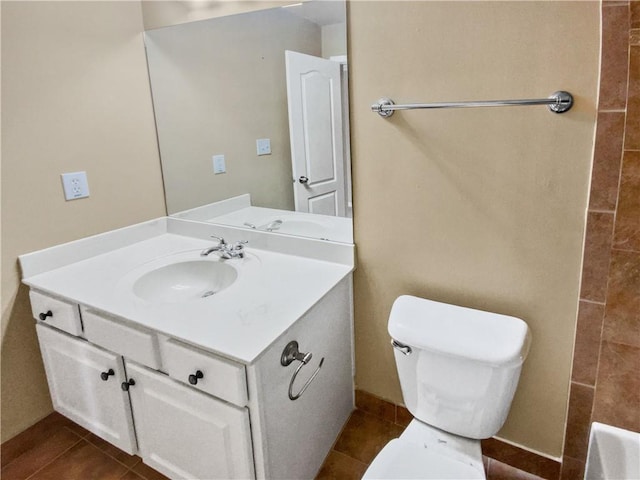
(291, 353)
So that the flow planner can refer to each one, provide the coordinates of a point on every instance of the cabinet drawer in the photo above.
(136, 343)
(56, 313)
(220, 377)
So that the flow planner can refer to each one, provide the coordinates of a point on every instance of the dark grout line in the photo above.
(380, 418)
(77, 434)
(338, 438)
(131, 471)
(80, 439)
(350, 457)
(112, 457)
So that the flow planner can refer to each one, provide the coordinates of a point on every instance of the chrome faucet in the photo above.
(221, 245)
(224, 250)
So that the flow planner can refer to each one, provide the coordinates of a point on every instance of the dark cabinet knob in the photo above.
(193, 379)
(303, 180)
(43, 316)
(105, 375)
(125, 385)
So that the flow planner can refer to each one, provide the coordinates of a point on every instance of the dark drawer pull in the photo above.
(193, 379)
(105, 375)
(125, 385)
(43, 316)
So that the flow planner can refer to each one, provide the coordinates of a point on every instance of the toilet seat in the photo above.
(426, 452)
(408, 460)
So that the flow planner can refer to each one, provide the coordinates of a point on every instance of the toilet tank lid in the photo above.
(463, 332)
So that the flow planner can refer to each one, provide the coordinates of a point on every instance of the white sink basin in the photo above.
(185, 281)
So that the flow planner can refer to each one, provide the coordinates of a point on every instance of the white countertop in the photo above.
(272, 292)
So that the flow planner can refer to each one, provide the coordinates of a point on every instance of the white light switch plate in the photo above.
(218, 164)
(263, 146)
(75, 185)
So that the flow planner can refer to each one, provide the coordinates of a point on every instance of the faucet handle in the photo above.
(238, 248)
(220, 239)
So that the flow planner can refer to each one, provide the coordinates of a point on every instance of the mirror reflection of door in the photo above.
(316, 130)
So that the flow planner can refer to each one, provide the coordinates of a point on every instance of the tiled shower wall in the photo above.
(605, 384)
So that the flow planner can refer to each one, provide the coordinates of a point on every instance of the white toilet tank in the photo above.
(458, 367)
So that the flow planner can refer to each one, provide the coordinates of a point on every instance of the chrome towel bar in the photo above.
(558, 102)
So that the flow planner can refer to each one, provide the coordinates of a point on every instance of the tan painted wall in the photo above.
(478, 207)
(75, 97)
(334, 40)
(214, 96)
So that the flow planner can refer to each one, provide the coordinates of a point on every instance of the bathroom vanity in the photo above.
(187, 360)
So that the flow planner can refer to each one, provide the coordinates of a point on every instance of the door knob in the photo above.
(304, 180)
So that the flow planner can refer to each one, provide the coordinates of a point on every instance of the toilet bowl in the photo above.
(424, 452)
(458, 369)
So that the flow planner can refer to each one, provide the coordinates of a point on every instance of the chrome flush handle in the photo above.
(404, 349)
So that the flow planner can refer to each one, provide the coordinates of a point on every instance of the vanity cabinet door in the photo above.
(185, 433)
(85, 386)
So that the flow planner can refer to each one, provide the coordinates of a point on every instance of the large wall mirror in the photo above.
(252, 119)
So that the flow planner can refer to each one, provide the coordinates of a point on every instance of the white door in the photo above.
(315, 128)
(84, 388)
(184, 433)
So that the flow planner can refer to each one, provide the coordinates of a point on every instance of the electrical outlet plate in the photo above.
(75, 185)
(263, 146)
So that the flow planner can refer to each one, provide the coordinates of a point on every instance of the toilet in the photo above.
(458, 369)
